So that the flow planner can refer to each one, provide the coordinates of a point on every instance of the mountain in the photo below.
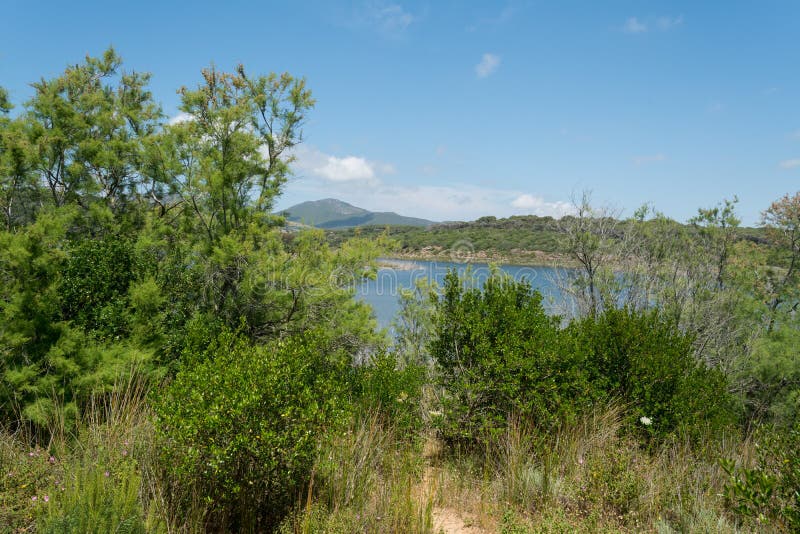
(331, 213)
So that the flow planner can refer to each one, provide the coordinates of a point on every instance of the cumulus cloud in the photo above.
(340, 169)
(487, 65)
(790, 164)
(538, 206)
(448, 202)
(633, 25)
(346, 169)
(180, 117)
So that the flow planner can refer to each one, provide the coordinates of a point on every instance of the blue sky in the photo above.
(453, 110)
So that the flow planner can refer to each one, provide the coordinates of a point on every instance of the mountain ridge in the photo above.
(331, 213)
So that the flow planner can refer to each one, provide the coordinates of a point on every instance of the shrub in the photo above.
(497, 352)
(394, 392)
(768, 492)
(95, 502)
(644, 360)
(240, 424)
(95, 283)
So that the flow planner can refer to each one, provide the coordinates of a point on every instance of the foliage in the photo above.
(771, 378)
(414, 323)
(365, 479)
(768, 492)
(645, 361)
(95, 501)
(496, 353)
(393, 391)
(239, 425)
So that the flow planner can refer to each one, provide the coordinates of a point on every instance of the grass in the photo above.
(106, 476)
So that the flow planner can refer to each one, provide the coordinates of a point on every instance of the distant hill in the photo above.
(330, 213)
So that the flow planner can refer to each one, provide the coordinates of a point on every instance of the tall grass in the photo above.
(589, 477)
(107, 476)
(365, 480)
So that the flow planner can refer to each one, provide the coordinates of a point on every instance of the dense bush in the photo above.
(240, 423)
(769, 491)
(497, 352)
(645, 361)
(393, 392)
(94, 284)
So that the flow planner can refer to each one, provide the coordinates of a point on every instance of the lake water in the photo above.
(383, 292)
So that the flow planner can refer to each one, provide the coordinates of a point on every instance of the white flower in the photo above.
(646, 421)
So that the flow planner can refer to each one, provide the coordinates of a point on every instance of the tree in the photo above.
(782, 223)
(88, 129)
(18, 189)
(232, 146)
(589, 236)
(717, 227)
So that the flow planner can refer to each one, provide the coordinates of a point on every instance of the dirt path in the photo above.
(446, 520)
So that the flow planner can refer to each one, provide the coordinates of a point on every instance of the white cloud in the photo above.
(449, 202)
(652, 158)
(538, 206)
(504, 16)
(487, 65)
(790, 164)
(633, 25)
(345, 169)
(390, 19)
(667, 23)
(179, 118)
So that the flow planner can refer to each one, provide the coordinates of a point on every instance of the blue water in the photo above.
(383, 292)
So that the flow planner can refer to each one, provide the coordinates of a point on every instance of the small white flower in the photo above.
(646, 421)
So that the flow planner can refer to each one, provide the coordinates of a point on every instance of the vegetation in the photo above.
(173, 358)
(521, 239)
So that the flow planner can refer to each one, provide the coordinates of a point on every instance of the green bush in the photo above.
(94, 501)
(239, 425)
(645, 361)
(768, 492)
(394, 392)
(497, 352)
(95, 282)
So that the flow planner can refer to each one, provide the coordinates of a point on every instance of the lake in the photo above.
(383, 292)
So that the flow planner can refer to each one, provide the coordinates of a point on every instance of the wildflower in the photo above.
(31, 454)
(34, 498)
(106, 474)
(124, 452)
(46, 498)
(646, 421)
(52, 460)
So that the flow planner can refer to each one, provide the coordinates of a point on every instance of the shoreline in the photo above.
(527, 259)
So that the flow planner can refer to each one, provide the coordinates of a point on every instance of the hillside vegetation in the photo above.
(173, 359)
(526, 239)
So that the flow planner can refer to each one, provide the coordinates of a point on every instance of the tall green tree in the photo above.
(233, 146)
(782, 222)
(88, 128)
